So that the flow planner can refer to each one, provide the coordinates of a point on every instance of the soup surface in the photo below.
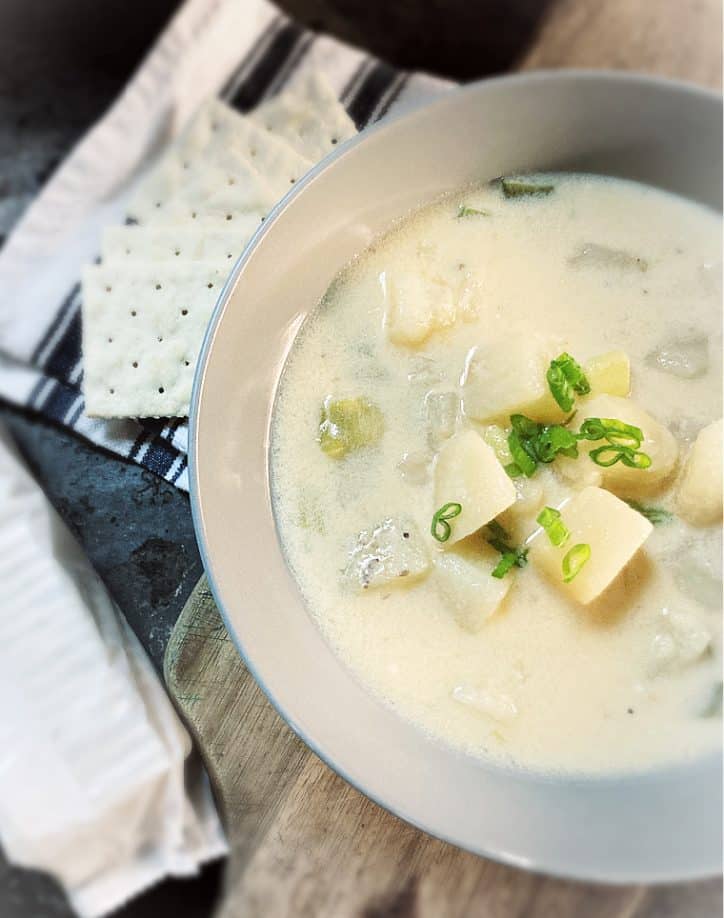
(549, 342)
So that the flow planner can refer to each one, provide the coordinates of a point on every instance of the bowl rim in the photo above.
(618, 77)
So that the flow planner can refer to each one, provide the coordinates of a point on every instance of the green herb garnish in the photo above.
(521, 187)
(656, 515)
(622, 443)
(523, 456)
(531, 443)
(465, 211)
(510, 555)
(497, 531)
(616, 432)
(555, 439)
(440, 528)
(574, 561)
(566, 378)
(556, 530)
(507, 561)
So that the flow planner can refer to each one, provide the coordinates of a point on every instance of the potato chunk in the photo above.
(699, 500)
(418, 302)
(463, 579)
(508, 376)
(609, 526)
(609, 374)
(468, 473)
(393, 552)
(658, 443)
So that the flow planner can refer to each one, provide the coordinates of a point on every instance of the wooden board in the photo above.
(303, 842)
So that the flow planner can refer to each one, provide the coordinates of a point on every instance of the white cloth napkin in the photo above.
(242, 50)
(92, 753)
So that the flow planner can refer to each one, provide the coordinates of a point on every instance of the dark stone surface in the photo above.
(135, 528)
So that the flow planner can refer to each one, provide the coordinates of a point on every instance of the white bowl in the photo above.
(659, 826)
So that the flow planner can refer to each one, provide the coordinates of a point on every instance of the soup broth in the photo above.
(411, 498)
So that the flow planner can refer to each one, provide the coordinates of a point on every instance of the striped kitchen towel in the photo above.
(241, 50)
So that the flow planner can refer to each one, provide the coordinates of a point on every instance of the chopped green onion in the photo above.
(520, 187)
(592, 429)
(635, 460)
(511, 556)
(440, 528)
(556, 530)
(574, 561)
(507, 561)
(521, 451)
(524, 427)
(531, 443)
(656, 515)
(573, 372)
(497, 531)
(565, 377)
(556, 439)
(622, 443)
(606, 456)
(464, 211)
(560, 387)
(512, 469)
(616, 432)
(609, 455)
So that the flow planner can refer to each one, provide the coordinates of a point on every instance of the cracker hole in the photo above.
(186, 165)
(158, 286)
(110, 340)
(229, 255)
(128, 251)
(184, 312)
(209, 285)
(160, 338)
(161, 390)
(133, 312)
(187, 363)
(108, 289)
(112, 391)
(158, 203)
(135, 364)
(292, 181)
(334, 140)
(177, 252)
(193, 214)
(232, 181)
(228, 216)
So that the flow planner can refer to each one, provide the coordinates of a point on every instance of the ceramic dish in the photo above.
(658, 826)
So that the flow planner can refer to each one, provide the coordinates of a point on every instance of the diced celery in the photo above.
(497, 438)
(349, 424)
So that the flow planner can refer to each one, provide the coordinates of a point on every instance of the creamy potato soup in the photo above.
(496, 472)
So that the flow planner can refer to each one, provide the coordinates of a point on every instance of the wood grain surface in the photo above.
(304, 843)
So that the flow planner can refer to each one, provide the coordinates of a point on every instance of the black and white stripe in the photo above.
(277, 54)
(264, 74)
